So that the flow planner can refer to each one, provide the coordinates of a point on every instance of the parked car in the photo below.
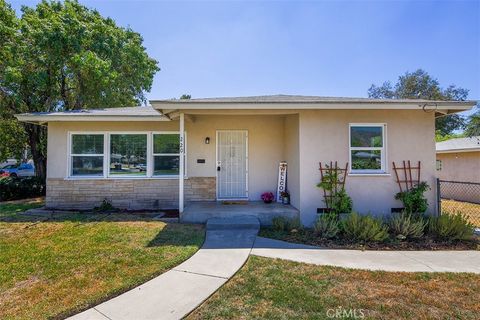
(22, 170)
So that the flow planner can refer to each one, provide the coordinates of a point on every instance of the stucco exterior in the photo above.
(303, 138)
(460, 166)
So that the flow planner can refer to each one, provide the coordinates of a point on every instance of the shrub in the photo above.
(404, 226)
(13, 188)
(413, 200)
(450, 227)
(361, 228)
(341, 202)
(105, 206)
(327, 226)
(284, 224)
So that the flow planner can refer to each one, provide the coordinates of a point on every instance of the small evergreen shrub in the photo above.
(285, 224)
(362, 228)
(450, 227)
(105, 206)
(327, 226)
(279, 223)
(405, 226)
(414, 200)
(14, 188)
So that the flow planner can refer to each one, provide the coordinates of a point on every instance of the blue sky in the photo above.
(328, 48)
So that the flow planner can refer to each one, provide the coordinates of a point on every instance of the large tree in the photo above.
(473, 125)
(63, 56)
(420, 85)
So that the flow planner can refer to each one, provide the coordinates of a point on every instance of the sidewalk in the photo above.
(408, 261)
(179, 291)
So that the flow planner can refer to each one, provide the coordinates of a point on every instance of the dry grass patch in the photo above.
(470, 210)
(55, 268)
(278, 289)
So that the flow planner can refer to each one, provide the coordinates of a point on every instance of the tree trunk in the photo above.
(37, 141)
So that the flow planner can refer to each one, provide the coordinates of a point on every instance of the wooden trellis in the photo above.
(340, 175)
(410, 179)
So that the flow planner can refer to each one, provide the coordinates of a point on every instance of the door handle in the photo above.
(218, 168)
(219, 164)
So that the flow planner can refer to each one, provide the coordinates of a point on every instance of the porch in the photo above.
(201, 211)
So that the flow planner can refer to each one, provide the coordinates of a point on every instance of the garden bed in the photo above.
(308, 236)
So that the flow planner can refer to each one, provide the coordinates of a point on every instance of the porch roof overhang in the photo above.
(283, 103)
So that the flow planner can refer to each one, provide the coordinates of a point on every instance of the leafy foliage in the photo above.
(281, 223)
(327, 226)
(405, 226)
(338, 201)
(21, 188)
(420, 85)
(450, 227)
(473, 125)
(364, 228)
(63, 56)
(414, 200)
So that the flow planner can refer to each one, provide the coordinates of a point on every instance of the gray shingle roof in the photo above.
(459, 144)
(283, 98)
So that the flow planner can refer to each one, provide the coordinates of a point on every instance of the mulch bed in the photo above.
(428, 244)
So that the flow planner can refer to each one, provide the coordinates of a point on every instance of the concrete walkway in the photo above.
(409, 261)
(179, 291)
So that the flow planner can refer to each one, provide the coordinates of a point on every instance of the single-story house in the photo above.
(458, 167)
(176, 153)
(459, 159)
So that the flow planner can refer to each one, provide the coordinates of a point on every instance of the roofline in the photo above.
(459, 150)
(182, 104)
(28, 117)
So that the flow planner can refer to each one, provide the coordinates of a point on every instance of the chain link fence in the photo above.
(462, 197)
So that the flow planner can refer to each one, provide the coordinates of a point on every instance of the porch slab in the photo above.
(200, 212)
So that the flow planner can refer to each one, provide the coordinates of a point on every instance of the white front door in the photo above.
(232, 164)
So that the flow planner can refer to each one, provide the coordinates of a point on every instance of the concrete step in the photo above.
(233, 223)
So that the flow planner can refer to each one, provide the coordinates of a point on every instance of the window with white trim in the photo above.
(367, 148)
(124, 154)
(87, 154)
(128, 154)
(166, 154)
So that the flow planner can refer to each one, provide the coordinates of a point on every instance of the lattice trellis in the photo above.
(340, 176)
(411, 175)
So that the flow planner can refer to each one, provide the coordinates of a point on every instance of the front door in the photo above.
(232, 164)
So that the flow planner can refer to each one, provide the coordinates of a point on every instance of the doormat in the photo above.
(234, 202)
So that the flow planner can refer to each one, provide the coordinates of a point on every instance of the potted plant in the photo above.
(267, 197)
(285, 197)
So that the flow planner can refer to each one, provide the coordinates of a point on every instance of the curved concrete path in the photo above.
(174, 294)
(408, 261)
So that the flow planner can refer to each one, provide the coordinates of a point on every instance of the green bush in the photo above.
(405, 226)
(327, 226)
(21, 188)
(362, 228)
(413, 200)
(450, 227)
(285, 224)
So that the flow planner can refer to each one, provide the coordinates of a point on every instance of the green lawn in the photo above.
(276, 289)
(58, 267)
(11, 208)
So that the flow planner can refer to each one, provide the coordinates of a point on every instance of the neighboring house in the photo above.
(459, 159)
(230, 148)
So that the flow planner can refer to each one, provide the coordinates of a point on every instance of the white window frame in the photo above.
(383, 150)
(106, 155)
(71, 155)
(152, 156)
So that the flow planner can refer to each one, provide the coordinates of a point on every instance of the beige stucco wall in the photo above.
(324, 136)
(461, 166)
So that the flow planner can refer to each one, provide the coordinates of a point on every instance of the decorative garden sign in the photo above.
(282, 180)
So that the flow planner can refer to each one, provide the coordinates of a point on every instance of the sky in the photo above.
(326, 48)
